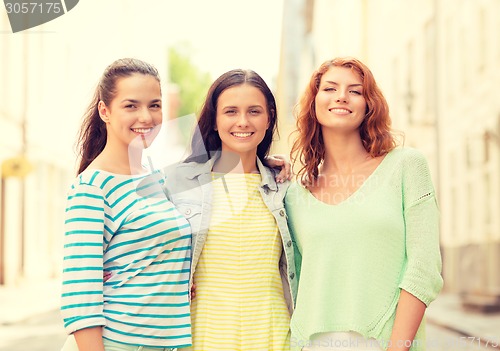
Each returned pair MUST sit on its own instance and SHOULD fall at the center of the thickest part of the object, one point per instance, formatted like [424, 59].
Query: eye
[230, 112]
[355, 92]
[157, 106]
[330, 89]
[254, 112]
[130, 106]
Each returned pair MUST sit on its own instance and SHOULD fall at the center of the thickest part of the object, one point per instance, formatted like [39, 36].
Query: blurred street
[43, 332]
[31, 321]
[473, 330]
[442, 339]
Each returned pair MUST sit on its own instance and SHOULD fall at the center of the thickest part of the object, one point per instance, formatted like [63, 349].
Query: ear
[273, 112]
[103, 111]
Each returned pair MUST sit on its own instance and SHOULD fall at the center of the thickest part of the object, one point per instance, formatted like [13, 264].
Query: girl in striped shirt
[118, 219]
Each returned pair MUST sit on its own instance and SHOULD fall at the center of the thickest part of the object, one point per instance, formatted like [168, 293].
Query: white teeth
[340, 110]
[242, 135]
[142, 130]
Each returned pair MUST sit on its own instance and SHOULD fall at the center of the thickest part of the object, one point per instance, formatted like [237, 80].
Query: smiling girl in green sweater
[364, 220]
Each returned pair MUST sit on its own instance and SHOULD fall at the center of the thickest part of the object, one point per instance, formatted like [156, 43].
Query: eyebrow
[137, 101]
[253, 106]
[350, 85]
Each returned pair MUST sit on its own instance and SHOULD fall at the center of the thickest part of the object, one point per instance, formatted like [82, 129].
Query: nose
[242, 120]
[341, 96]
[144, 116]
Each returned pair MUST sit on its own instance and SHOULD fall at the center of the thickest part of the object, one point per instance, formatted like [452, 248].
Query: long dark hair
[205, 139]
[92, 135]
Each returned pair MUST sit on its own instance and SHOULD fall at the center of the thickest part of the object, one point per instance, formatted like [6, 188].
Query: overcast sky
[223, 34]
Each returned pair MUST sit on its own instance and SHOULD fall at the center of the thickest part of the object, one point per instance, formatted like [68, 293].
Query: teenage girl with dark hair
[243, 263]
[118, 219]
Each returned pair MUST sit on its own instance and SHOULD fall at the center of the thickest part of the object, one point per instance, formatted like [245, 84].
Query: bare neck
[120, 160]
[230, 162]
[343, 153]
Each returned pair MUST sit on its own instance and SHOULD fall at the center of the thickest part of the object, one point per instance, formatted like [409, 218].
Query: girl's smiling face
[242, 119]
[340, 103]
[135, 113]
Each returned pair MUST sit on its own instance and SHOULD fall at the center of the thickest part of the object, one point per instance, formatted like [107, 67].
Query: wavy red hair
[375, 130]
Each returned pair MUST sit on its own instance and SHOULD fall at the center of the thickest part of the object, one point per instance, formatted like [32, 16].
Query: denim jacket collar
[204, 170]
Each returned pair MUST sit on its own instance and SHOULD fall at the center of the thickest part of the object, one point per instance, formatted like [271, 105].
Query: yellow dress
[239, 302]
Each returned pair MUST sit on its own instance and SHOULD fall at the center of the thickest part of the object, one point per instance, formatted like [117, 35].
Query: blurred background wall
[48, 77]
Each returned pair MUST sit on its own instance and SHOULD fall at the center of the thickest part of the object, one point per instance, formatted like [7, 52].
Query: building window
[464, 58]
[410, 90]
[468, 154]
[486, 147]
[309, 16]
[4, 64]
[395, 84]
[453, 164]
[454, 212]
[483, 30]
[450, 58]
[487, 196]
[471, 209]
[430, 62]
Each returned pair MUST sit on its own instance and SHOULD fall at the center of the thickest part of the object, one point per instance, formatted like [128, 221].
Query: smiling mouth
[242, 135]
[339, 110]
[142, 130]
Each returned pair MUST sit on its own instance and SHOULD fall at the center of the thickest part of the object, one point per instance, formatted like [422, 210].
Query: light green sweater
[358, 254]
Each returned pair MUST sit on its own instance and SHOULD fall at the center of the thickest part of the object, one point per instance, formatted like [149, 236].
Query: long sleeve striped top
[125, 225]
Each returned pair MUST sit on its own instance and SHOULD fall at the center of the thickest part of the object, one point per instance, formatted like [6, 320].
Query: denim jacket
[189, 187]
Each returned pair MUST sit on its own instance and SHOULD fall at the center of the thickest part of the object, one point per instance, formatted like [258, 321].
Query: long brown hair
[92, 135]
[309, 149]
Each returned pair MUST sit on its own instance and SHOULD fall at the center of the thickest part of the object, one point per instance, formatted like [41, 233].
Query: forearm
[89, 339]
[409, 314]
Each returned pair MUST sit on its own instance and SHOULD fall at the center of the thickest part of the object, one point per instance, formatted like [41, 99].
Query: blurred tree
[193, 84]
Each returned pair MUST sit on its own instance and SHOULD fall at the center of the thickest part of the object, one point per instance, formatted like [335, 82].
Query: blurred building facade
[47, 80]
[437, 64]
[35, 169]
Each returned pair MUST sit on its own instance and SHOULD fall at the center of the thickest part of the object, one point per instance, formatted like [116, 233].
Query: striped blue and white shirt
[124, 224]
